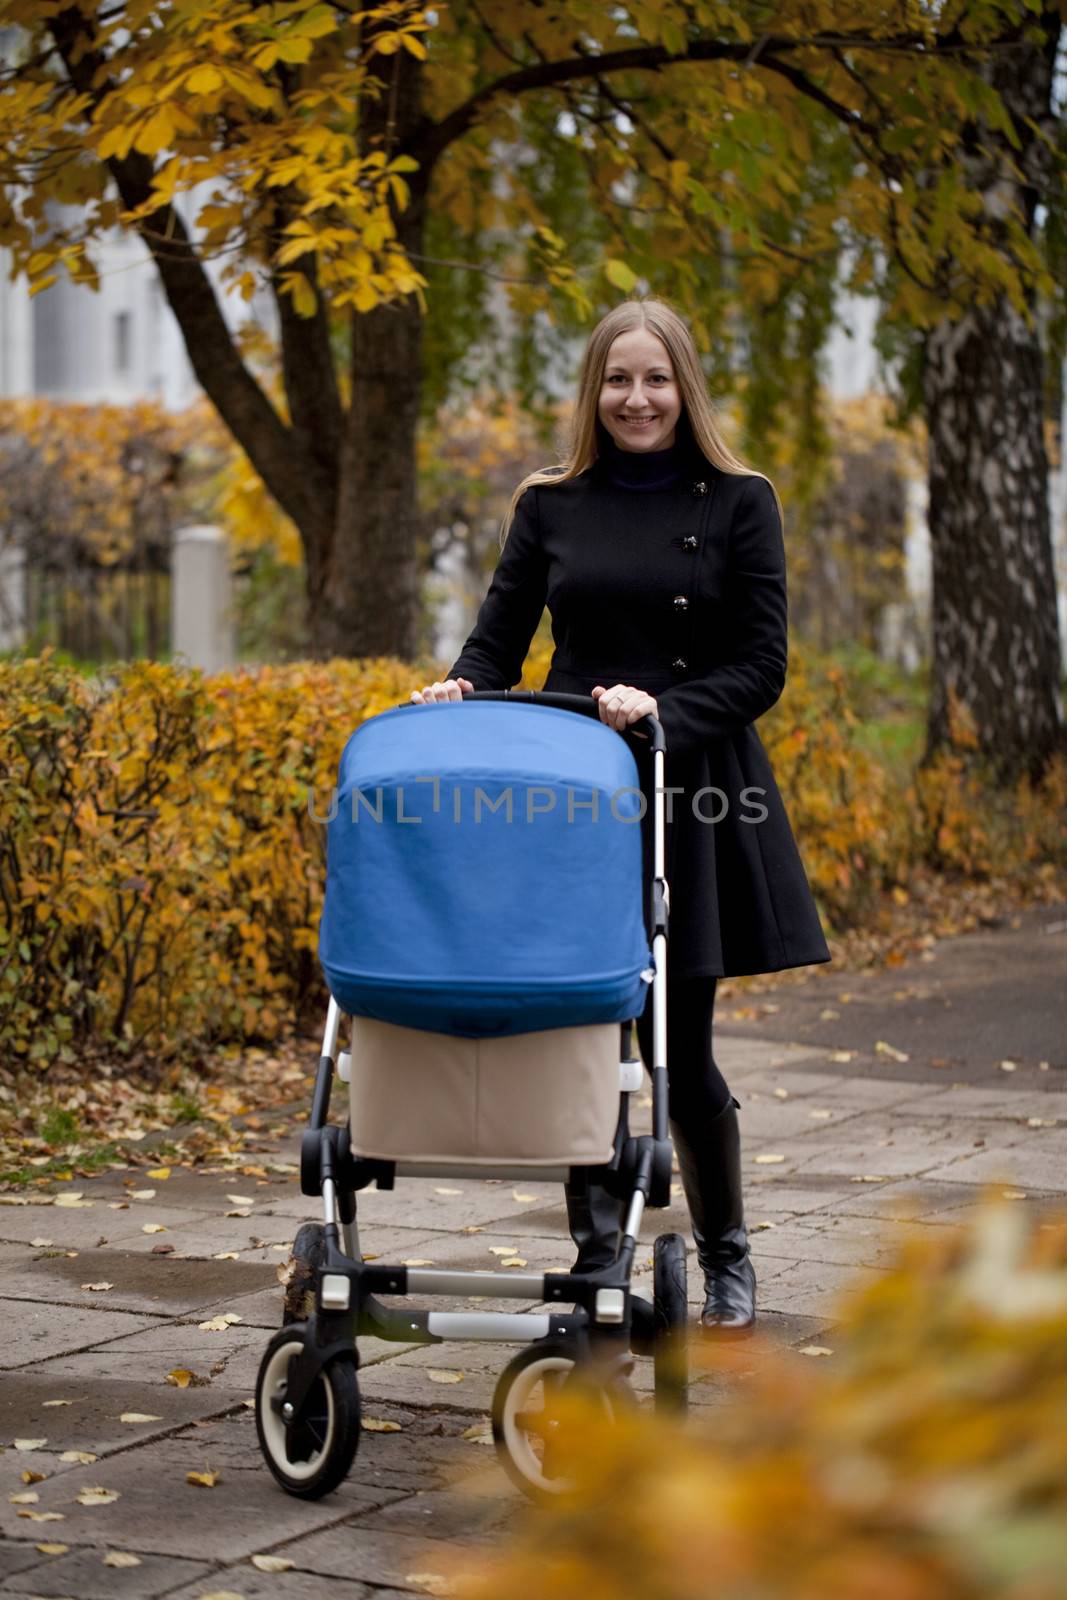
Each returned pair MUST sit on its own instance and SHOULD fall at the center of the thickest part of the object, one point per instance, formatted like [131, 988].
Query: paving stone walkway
[866, 1099]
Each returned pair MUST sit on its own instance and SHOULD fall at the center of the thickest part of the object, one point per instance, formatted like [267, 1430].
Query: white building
[116, 344]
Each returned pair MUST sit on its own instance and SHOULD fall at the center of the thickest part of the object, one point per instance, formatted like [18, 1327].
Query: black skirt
[740, 901]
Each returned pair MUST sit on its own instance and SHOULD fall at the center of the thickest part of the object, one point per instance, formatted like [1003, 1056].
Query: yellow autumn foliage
[928, 1461]
[161, 873]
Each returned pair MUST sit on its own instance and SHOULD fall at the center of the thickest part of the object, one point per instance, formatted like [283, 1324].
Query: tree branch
[432, 138]
[293, 481]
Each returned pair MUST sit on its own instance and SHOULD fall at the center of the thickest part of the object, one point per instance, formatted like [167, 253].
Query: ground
[870, 1103]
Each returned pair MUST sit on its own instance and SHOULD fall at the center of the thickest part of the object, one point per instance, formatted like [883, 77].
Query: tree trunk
[995, 633]
[366, 598]
[368, 603]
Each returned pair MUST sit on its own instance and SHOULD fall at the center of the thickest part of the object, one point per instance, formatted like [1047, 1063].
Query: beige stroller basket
[541, 1098]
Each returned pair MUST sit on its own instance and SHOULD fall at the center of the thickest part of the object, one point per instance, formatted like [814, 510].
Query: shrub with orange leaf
[927, 1462]
[161, 874]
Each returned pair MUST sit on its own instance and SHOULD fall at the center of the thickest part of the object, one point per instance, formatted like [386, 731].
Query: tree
[995, 637]
[725, 153]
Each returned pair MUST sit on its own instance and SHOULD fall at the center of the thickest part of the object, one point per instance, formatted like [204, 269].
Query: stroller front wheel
[532, 1423]
[311, 1454]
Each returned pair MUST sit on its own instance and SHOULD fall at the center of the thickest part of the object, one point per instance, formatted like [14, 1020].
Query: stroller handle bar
[584, 705]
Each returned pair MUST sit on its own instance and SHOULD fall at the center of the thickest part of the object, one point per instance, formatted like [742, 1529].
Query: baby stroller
[483, 934]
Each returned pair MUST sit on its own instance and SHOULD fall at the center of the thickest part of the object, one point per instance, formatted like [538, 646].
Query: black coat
[679, 591]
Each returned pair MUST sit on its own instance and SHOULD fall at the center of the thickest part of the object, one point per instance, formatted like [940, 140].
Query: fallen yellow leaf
[432, 1582]
[226, 1255]
[29, 1476]
[121, 1558]
[161, 1174]
[218, 1324]
[52, 1549]
[203, 1480]
[883, 1049]
[478, 1433]
[81, 1458]
[815, 1350]
[26, 1497]
[96, 1496]
[142, 1194]
[417, 1261]
[443, 1375]
[378, 1425]
[42, 1516]
[139, 1416]
[57, 1402]
[769, 1159]
[152, 1227]
[181, 1377]
[273, 1563]
[516, 1194]
[514, 1261]
[448, 1191]
[502, 1249]
[28, 1444]
[97, 1288]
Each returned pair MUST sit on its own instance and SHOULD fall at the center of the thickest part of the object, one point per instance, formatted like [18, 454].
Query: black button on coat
[610, 561]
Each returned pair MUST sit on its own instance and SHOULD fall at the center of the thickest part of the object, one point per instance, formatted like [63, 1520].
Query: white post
[12, 595]
[202, 599]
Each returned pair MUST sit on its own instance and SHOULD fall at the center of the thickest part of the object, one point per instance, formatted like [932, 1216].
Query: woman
[661, 559]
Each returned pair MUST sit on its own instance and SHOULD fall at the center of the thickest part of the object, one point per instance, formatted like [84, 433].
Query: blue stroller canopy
[484, 871]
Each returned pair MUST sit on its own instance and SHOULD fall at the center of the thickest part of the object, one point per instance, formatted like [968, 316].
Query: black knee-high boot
[711, 1177]
[593, 1218]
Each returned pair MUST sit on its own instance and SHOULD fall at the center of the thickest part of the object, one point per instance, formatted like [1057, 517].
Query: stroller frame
[595, 1337]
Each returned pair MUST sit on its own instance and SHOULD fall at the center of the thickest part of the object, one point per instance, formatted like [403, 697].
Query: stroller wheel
[301, 1271]
[312, 1457]
[531, 1428]
[670, 1305]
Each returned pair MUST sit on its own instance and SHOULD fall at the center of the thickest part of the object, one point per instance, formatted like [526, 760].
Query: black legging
[697, 1089]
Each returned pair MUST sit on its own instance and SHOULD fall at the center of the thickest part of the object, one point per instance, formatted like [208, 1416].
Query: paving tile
[37, 1331]
[84, 1574]
[85, 1226]
[1034, 1159]
[139, 1282]
[16, 1558]
[378, 1556]
[159, 1513]
[250, 1584]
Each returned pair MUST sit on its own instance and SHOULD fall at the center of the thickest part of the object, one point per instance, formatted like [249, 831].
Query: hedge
[161, 877]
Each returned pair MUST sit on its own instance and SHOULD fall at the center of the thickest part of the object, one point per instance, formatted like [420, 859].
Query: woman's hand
[451, 689]
[622, 704]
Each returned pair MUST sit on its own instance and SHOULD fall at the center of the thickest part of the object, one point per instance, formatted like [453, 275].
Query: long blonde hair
[582, 449]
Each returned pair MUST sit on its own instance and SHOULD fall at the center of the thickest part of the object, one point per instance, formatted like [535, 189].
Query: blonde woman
[661, 559]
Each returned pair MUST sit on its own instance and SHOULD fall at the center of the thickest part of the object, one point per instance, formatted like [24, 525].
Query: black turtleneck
[641, 469]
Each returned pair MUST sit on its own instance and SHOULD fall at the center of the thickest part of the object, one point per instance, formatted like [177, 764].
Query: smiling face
[639, 401]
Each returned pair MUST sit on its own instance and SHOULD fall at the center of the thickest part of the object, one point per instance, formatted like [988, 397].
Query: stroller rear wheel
[301, 1272]
[531, 1425]
[311, 1454]
[670, 1305]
